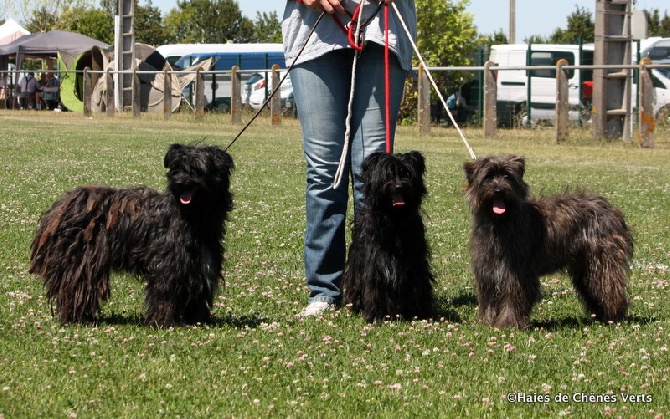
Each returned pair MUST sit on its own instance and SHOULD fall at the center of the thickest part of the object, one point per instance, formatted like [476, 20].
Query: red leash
[387, 79]
[351, 35]
[350, 30]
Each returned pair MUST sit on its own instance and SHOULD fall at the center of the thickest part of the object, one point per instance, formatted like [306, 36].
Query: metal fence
[484, 77]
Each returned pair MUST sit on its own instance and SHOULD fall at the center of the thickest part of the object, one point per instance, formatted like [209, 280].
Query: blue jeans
[321, 90]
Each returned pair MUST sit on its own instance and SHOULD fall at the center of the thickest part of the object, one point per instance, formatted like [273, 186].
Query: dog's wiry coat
[171, 239]
[388, 272]
[515, 240]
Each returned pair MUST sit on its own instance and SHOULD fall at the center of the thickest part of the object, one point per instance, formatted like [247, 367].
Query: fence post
[199, 95]
[490, 101]
[646, 105]
[423, 114]
[562, 101]
[136, 93]
[109, 94]
[275, 102]
[167, 92]
[88, 112]
[235, 95]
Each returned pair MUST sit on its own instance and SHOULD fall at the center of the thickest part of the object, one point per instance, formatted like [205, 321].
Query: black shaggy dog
[388, 272]
[515, 240]
[172, 239]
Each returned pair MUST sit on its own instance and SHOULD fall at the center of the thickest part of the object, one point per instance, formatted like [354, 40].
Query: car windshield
[184, 61]
[189, 60]
[199, 59]
[254, 78]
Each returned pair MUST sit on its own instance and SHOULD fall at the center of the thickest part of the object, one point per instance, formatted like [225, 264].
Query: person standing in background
[51, 91]
[28, 86]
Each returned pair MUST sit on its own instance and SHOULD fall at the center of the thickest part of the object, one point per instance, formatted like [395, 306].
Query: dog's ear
[418, 162]
[470, 167]
[222, 160]
[171, 154]
[518, 163]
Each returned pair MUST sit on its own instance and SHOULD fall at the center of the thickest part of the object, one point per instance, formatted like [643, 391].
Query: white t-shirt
[28, 84]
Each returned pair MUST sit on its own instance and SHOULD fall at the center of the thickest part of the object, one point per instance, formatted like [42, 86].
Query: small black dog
[172, 239]
[388, 271]
[515, 240]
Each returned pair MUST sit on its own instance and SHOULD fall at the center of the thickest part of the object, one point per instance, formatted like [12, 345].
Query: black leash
[276, 88]
[288, 70]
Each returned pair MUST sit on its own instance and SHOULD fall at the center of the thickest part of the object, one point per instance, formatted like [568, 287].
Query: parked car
[661, 81]
[259, 91]
[251, 85]
[656, 48]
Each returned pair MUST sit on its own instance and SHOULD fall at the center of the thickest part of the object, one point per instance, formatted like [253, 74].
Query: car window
[545, 58]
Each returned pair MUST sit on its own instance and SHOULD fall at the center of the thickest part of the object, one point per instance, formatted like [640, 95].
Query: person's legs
[321, 89]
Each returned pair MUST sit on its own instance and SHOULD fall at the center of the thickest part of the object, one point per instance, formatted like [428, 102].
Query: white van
[513, 85]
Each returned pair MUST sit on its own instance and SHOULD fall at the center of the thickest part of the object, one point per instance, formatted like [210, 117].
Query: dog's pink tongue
[398, 200]
[499, 207]
[185, 198]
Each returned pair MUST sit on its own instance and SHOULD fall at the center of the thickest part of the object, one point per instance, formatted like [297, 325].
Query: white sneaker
[316, 308]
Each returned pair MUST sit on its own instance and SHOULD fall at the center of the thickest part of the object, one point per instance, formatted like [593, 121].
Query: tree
[149, 27]
[42, 20]
[498, 38]
[110, 6]
[96, 23]
[539, 39]
[580, 25]
[446, 37]
[267, 27]
[658, 26]
[446, 34]
[41, 15]
[209, 21]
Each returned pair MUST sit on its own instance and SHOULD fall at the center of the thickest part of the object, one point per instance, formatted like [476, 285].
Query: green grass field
[260, 360]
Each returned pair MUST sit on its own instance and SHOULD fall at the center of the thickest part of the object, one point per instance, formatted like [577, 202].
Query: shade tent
[11, 31]
[10, 50]
[67, 45]
[74, 52]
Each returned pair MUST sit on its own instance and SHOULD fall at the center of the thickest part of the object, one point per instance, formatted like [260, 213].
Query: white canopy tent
[11, 31]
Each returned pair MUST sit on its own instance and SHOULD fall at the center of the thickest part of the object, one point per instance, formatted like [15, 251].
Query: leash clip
[351, 27]
[361, 38]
